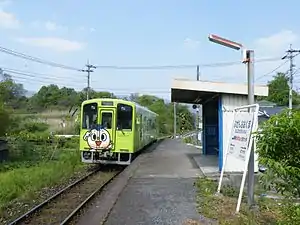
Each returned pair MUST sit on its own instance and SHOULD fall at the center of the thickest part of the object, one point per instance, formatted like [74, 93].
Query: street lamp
[227, 43]
[248, 58]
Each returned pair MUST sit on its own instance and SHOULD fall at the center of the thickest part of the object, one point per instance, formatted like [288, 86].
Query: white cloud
[8, 20]
[56, 44]
[190, 43]
[275, 43]
[51, 26]
[83, 28]
[48, 25]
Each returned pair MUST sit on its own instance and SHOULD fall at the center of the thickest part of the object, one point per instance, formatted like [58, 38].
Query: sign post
[249, 60]
[241, 141]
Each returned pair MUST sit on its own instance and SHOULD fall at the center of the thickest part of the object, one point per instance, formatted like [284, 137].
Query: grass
[221, 208]
[37, 163]
[54, 119]
[24, 182]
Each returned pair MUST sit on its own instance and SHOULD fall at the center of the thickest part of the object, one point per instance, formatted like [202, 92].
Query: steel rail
[48, 200]
[88, 199]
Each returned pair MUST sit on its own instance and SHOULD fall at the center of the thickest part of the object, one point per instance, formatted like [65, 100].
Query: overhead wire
[54, 64]
[33, 77]
[21, 74]
[36, 59]
[272, 71]
[43, 82]
[159, 67]
[76, 86]
[40, 75]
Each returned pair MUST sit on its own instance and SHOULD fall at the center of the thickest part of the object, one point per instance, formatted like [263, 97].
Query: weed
[222, 207]
[24, 182]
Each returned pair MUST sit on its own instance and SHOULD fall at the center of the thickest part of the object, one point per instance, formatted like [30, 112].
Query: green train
[113, 130]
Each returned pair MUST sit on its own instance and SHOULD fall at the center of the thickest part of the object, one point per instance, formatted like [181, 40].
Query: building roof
[265, 103]
[270, 111]
[218, 87]
[198, 92]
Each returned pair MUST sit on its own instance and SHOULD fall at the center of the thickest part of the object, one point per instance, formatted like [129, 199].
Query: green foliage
[279, 91]
[166, 114]
[4, 120]
[23, 182]
[222, 207]
[60, 98]
[21, 126]
[278, 146]
[290, 212]
[52, 97]
[12, 94]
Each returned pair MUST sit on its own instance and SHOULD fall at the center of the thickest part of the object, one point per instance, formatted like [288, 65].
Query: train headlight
[87, 155]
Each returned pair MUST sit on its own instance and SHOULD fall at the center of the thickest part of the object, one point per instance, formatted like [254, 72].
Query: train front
[106, 132]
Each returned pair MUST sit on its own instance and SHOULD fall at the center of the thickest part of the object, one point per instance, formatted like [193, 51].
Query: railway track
[62, 207]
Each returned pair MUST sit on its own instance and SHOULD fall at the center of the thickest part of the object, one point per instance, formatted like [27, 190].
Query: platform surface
[161, 190]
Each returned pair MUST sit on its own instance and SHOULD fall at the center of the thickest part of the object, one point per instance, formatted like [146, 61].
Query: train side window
[106, 120]
[89, 115]
[124, 117]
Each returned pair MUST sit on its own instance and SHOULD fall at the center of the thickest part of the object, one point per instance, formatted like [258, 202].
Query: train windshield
[124, 117]
[89, 117]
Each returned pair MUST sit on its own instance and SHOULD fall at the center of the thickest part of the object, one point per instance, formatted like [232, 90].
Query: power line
[38, 75]
[36, 59]
[41, 81]
[267, 74]
[50, 63]
[159, 67]
[123, 90]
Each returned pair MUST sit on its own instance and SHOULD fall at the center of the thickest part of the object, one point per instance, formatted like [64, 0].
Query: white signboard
[240, 143]
[240, 134]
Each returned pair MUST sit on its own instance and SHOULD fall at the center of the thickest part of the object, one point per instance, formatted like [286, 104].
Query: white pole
[254, 128]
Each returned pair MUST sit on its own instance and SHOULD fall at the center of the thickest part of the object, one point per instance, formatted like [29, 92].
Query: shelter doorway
[211, 129]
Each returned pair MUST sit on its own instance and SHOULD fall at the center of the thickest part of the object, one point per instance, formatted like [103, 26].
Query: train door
[107, 121]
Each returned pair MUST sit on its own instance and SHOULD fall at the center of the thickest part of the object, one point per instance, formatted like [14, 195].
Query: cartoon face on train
[98, 139]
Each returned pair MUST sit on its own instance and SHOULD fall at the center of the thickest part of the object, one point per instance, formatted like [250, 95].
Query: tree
[4, 120]
[53, 97]
[12, 94]
[166, 114]
[279, 91]
[92, 94]
[278, 147]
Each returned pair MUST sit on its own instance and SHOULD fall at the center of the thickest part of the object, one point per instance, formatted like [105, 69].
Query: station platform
[157, 188]
[161, 189]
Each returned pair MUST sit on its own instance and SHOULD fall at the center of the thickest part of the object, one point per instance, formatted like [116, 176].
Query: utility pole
[198, 111]
[198, 72]
[175, 122]
[291, 55]
[251, 101]
[89, 71]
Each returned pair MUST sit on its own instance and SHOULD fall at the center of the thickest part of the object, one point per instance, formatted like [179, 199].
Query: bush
[36, 126]
[20, 124]
[4, 120]
[23, 182]
[278, 147]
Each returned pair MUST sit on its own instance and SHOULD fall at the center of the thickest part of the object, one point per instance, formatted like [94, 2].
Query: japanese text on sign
[240, 134]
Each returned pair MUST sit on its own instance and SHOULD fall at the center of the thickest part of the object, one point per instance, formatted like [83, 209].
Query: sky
[144, 33]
